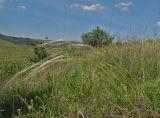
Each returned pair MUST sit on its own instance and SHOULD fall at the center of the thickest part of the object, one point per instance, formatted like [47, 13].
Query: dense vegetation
[97, 37]
[121, 80]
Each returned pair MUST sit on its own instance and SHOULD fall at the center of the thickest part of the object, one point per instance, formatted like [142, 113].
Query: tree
[98, 37]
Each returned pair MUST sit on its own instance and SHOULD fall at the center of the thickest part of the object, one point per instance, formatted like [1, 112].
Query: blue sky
[68, 19]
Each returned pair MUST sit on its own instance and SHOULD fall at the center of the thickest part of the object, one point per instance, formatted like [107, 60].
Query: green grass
[122, 80]
[13, 58]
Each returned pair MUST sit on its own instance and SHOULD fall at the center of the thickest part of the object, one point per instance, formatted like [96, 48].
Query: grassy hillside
[10, 51]
[122, 80]
[13, 58]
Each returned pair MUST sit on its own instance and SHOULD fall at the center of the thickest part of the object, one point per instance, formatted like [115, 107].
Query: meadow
[13, 58]
[120, 80]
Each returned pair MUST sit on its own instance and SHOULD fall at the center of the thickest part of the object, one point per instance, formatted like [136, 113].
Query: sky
[68, 19]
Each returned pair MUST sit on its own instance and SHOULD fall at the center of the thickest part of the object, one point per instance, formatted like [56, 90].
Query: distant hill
[17, 40]
[28, 41]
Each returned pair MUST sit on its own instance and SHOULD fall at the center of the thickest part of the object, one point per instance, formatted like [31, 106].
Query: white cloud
[2, 3]
[21, 7]
[158, 23]
[124, 5]
[92, 7]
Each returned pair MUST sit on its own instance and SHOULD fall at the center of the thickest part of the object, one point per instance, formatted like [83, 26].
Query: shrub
[98, 37]
[40, 53]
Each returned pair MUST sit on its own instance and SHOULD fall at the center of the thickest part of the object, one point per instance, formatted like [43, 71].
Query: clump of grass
[115, 81]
